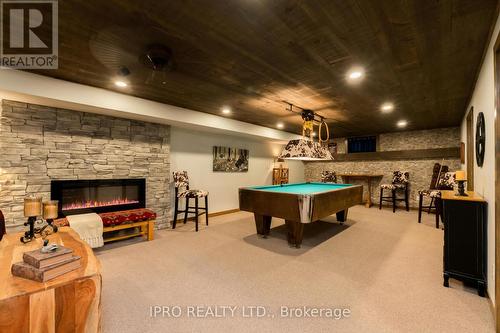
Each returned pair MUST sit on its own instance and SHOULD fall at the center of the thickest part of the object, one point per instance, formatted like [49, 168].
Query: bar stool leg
[196, 212]
[406, 200]
[420, 199]
[381, 195]
[394, 200]
[206, 209]
[176, 209]
[186, 211]
[438, 211]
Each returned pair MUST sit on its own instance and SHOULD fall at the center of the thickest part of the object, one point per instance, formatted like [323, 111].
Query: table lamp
[461, 178]
[32, 209]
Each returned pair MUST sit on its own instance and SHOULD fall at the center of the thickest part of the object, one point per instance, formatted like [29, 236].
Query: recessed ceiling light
[355, 74]
[280, 125]
[226, 110]
[402, 123]
[121, 84]
[387, 107]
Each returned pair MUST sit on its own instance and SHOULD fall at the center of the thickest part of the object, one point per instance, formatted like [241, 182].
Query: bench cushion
[118, 218]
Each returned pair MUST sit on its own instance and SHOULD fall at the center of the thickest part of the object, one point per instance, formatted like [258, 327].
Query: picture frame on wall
[228, 159]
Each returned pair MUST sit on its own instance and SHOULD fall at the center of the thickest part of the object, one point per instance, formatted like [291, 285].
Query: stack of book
[42, 267]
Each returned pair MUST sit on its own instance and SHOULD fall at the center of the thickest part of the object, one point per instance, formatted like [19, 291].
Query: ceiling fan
[142, 52]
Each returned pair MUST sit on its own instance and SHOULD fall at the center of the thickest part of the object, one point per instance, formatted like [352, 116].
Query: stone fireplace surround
[39, 144]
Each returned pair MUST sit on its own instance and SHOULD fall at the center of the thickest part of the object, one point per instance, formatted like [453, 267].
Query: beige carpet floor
[384, 267]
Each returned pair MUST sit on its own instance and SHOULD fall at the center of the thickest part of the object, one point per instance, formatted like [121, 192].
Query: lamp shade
[305, 150]
[460, 175]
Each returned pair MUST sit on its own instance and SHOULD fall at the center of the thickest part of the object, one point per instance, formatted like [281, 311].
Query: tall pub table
[368, 177]
[68, 303]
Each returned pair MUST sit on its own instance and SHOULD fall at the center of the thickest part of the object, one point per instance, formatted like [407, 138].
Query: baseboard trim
[214, 214]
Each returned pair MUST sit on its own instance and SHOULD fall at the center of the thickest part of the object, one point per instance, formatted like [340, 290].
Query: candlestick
[33, 209]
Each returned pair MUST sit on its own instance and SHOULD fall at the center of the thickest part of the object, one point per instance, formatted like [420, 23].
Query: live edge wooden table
[298, 204]
[68, 303]
[368, 177]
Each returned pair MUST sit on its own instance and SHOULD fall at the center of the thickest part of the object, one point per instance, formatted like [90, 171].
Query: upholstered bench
[142, 218]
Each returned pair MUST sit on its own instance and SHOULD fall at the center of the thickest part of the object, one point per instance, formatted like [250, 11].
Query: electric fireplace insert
[98, 195]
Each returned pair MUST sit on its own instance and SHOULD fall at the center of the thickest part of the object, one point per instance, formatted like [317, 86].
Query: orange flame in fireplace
[94, 203]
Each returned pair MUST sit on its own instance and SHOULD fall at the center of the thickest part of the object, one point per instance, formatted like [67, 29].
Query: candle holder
[50, 212]
[33, 209]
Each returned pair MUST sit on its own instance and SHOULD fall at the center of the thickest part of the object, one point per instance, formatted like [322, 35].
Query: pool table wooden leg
[263, 224]
[342, 215]
[295, 233]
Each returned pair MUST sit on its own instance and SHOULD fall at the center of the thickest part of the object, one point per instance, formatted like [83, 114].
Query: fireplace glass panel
[101, 196]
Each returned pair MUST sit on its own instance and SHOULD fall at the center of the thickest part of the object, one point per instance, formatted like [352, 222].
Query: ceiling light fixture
[402, 123]
[226, 110]
[305, 148]
[121, 84]
[355, 74]
[280, 125]
[387, 107]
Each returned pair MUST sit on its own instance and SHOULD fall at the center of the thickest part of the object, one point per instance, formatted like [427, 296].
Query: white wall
[483, 100]
[192, 151]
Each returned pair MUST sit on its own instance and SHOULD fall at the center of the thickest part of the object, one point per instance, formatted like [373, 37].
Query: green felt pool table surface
[301, 188]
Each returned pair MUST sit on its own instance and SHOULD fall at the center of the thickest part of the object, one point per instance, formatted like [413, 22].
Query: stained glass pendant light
[306, 149]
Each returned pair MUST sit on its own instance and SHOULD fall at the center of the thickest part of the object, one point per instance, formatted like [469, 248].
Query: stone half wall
[420, 169]
[39, 143]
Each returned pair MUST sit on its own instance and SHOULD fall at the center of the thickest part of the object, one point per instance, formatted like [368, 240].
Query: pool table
[298, 204]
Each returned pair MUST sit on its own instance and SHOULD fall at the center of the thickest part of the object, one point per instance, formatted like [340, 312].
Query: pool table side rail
[344, 199]
[266, 203]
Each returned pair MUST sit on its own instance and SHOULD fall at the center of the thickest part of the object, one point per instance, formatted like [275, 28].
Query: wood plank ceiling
[251, 55]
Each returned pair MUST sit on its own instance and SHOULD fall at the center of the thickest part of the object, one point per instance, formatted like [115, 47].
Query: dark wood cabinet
[465, 239]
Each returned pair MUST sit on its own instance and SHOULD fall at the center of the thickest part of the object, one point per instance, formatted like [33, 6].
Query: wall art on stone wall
[226, 159]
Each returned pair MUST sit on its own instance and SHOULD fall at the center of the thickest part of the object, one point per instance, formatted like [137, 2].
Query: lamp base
[461, 189]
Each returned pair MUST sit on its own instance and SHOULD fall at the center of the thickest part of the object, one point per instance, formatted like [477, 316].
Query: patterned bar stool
[328, 177]
[399, 182]
[181, 184]
[432, 193]
[445, 182]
